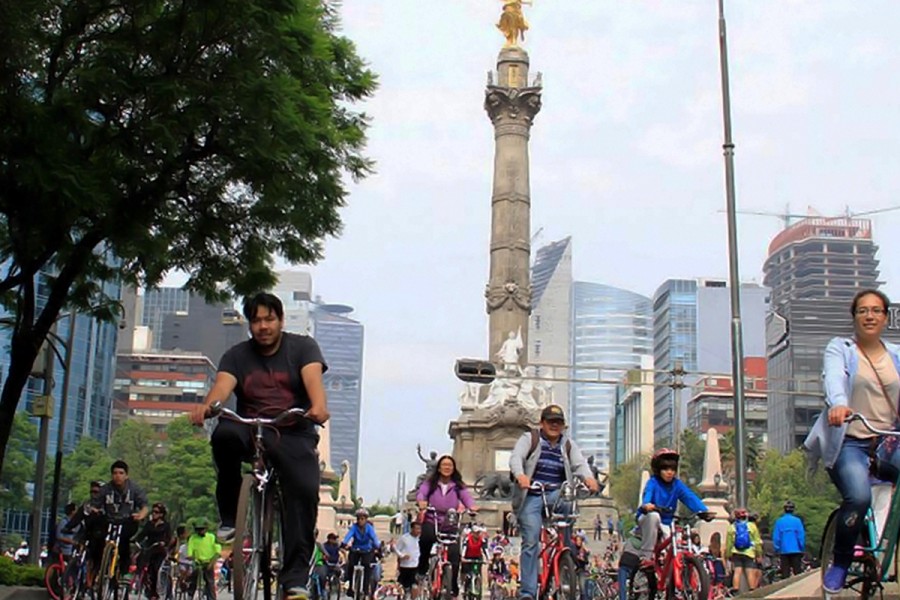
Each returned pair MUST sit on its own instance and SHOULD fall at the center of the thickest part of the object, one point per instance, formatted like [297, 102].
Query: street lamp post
[737, 345]
[61, 431]
[41, 407]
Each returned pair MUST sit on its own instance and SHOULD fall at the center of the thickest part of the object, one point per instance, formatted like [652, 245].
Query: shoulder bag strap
[887, 397]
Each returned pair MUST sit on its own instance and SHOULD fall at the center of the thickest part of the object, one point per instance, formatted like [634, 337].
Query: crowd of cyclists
[862, 375]
[192, 548]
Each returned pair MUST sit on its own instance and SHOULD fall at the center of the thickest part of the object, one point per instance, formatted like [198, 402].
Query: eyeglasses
[865, 310]
[156, 512]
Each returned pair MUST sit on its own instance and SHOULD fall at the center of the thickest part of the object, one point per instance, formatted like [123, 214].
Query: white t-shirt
[409, 545]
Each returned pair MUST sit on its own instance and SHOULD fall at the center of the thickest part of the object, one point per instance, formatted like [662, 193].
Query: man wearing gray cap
[550, 457]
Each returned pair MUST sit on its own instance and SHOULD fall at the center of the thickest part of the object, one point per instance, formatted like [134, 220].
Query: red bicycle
[440, 569]
[558, 579]
[677, 570]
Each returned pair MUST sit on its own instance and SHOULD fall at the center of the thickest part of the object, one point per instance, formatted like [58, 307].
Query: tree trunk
[22, 356]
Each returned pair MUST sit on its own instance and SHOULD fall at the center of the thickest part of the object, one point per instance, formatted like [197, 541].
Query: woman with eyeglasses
[861, 375]
[156, 540]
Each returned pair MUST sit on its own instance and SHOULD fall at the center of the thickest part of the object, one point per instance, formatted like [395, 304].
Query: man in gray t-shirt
[270, 373]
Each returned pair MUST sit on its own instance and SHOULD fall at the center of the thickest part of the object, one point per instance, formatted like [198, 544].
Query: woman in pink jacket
[443, 491]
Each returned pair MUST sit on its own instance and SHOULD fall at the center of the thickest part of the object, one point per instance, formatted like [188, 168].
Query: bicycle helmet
[362, 512]
[498, 550]
[664, 457]
[789, 506]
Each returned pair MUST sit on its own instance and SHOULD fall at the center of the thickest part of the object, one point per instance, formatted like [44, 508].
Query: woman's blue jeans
[850, 474]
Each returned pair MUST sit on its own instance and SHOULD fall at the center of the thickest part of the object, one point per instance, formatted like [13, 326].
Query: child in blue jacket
[658, 504]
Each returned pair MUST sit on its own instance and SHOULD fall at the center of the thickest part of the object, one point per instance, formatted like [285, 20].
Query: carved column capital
[505, 105]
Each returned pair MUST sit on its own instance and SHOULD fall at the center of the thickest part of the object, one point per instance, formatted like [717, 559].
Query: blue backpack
[741, 535]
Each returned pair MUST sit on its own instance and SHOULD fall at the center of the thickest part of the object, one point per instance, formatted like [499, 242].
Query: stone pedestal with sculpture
[710, 491]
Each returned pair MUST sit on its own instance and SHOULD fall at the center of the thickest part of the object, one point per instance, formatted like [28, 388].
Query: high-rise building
[611, 332]
[692, 325]
[158, 385]
[712, 401]
[155, 304]
[90, 380]
[550, 324]
[814, 268]
[341, 340]
[208, 328]
[632, 427]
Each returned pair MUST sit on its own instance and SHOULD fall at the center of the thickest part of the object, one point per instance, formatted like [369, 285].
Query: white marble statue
[468, 397]
[499, 391]
[509, 353]
[525, 397]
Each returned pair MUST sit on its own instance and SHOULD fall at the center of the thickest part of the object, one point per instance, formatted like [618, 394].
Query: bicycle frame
[258, 554]
[886, 545]
[554, 529]
[671, 554]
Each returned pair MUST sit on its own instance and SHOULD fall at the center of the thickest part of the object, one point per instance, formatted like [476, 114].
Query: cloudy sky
[625, 157]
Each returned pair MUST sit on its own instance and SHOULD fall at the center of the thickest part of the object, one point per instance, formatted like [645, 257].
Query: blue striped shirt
[550, 468]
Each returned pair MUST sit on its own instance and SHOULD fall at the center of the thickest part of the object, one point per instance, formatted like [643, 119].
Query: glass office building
[611, 329]
[341, 341]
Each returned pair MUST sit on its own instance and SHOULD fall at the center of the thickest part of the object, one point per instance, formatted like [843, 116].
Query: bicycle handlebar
[217, 410]
[859, 417]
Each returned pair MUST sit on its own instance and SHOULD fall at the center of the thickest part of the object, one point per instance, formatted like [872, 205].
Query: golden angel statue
[512, 21]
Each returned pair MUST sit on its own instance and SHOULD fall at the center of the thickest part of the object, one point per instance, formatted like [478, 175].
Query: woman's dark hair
[881, 296]
[263, 299]
[161, 508]
[436, 476]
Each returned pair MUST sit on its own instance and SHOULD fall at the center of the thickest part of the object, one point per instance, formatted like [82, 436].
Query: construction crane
[787, 215]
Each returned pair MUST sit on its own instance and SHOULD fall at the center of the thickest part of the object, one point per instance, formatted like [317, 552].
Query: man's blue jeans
[530, 518]
[850, 474]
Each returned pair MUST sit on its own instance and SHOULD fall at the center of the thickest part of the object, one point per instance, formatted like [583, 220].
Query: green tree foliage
[382, 509]
[780, 478]
[625, 486]
[693, 453]
[90, 461]
[135, 442]
[142, 136]
[20, 466]
[184, 477]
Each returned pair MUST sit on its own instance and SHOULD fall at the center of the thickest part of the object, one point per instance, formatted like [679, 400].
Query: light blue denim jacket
[840, 366]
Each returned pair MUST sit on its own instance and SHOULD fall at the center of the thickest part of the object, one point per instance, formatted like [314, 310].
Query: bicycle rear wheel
[249, 544]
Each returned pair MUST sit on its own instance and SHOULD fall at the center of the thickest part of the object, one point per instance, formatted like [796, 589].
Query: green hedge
[13, 574]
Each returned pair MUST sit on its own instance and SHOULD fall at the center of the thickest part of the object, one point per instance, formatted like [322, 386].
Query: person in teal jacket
[789, 538]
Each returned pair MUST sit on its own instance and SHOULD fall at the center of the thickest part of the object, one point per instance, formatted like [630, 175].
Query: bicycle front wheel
[272, 555]
[164, 581]
[826, 553]
[641, 585]
[249, 540]
[446, 582]
[691, 582]
[53, 581]
[106, 577]
[567, 585]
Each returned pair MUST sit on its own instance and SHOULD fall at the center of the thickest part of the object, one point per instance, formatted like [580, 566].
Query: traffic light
[473, 370]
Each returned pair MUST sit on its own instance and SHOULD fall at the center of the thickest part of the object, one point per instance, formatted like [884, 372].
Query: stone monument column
[511, 103]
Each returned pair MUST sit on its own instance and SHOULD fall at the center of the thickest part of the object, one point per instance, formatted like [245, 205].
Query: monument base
[719, 524]
[483, 438]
